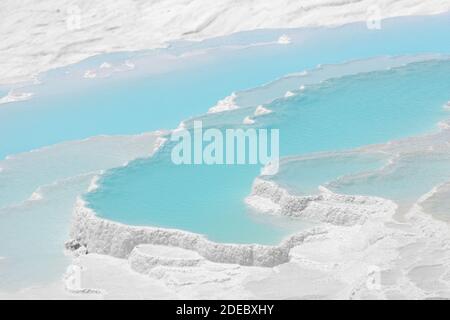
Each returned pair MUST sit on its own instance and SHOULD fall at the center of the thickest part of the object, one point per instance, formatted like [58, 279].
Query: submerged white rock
[261, 110]
[105, 65]
[284, 39]
[14, 96]
[289, 94]
[444, 125]
[90, 74]
[248, 121]
[36, 196]
[129, 65]
[447, 106]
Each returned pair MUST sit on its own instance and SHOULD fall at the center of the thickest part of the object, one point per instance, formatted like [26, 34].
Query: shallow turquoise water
[203, 199]
[338, 114]
[167, 87]
[303, 176]
[163, 89]
[405, 182]
[363, 109]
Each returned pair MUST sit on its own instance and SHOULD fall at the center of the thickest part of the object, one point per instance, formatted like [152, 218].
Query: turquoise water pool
[337, 114]
[183, 81]
[170, 85]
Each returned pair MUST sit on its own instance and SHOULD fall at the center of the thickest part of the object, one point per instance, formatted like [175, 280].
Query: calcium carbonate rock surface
[112, 238]
[329, 207]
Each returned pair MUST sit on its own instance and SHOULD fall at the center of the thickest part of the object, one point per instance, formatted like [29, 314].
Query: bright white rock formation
[72, 30]
[226, 104]
[329, 207]
[119, 240]
[260, 111]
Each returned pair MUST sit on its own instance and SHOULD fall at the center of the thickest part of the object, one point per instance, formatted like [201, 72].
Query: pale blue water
[166, 88]
[363, 109]
[162, 91]
[33, 234]
[338, 114]
[303, 176]
[410, 178]
[203, 199]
